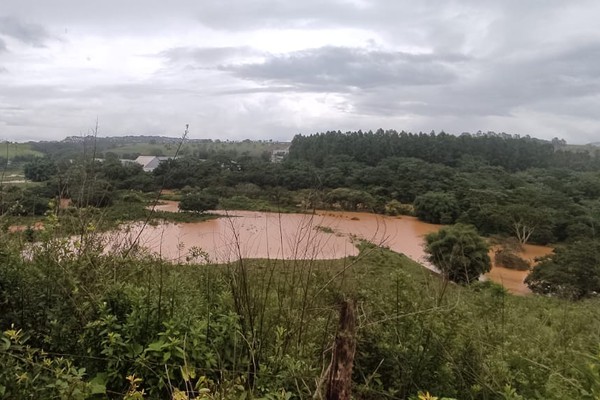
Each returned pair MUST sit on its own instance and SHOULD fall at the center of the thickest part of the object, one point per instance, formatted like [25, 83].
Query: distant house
[279, 155]
[149, 163]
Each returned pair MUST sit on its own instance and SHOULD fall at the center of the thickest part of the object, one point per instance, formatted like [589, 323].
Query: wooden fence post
[339, 383]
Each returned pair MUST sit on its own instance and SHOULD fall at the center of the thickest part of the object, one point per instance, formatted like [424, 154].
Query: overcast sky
[269, 69]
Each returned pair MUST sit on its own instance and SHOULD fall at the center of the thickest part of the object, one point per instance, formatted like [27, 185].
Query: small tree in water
[198, 202]
[458, 252]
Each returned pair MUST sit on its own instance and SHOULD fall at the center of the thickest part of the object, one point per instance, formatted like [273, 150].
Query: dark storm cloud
[561, 73]
[344, 69]
[32, 34]
[561, 81]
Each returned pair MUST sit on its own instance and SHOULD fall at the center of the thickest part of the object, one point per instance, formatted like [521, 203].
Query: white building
[279, 155]
[149, 163]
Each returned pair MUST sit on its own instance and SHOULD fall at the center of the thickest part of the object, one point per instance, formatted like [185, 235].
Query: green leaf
[135, 349]
[98, 384]
[156, 346]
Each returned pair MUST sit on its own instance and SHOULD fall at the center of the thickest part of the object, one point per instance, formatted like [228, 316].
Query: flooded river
[513, 279]
[324, 235]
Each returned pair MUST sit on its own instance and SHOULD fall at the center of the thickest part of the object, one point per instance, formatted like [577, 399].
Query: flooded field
[324, 235]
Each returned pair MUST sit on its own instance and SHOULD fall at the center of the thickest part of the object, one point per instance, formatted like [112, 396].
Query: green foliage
[507, 258]
[590, 378]
[436, 208]
[133, 197]
[573, 271]
[126, 175]
[349, 199]
[511, 153]
[458, 252]
[198, 202]
[28, 372]
[95, 193]
[394, 207]
[137, 326]
[244, 203]
[18, 201]
[40, 169]
[525, 221]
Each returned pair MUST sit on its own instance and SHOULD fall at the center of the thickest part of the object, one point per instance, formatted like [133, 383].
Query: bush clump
[508, 259]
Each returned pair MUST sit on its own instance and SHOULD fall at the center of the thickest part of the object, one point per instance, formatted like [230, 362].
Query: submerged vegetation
[80, 322]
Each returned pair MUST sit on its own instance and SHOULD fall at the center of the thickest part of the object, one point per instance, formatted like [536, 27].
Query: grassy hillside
[266, 327]
[10, 150]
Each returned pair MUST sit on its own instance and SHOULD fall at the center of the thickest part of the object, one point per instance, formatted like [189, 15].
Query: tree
[524, 221]
[436, 207]
[458, 252]
[198, 202]
[39, 169]
[350, 199]
[94, 193]
[571, 272]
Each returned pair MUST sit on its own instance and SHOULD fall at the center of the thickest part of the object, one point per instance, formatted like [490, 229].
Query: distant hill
[12, 151]
[130, 147]
[123, 139]
[591, 148]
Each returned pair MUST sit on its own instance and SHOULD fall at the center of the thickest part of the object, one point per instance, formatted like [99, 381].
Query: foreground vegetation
[79, 323]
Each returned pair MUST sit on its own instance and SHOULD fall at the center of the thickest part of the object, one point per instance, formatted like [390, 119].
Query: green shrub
[508, 259]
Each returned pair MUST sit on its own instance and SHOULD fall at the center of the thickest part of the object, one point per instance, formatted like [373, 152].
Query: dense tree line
[510, 152]
[541, 205]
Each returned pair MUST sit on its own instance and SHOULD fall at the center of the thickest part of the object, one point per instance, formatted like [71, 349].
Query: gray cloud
[558, 74]
[29, 33]
[206, 56]
[268, 13]
[344, 69]
[527, 67]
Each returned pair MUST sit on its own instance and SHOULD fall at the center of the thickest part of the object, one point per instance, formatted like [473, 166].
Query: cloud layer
[271, 69]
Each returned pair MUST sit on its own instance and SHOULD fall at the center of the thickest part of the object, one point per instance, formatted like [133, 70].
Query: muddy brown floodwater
[324, 235]
[513, 279]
